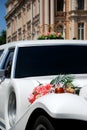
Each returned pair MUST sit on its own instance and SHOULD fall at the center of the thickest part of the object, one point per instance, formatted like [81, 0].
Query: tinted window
[50, 60]
[1, 51]
[80, 4]
[8, 63]
[60, 4]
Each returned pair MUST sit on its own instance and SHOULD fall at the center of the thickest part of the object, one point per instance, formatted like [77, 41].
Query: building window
[80, 31]
[80, 4]
[60, 4]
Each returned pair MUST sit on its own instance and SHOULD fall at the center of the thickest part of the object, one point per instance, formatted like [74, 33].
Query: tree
[3, 37]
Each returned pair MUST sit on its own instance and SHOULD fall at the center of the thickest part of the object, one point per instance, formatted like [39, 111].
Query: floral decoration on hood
[61, 84]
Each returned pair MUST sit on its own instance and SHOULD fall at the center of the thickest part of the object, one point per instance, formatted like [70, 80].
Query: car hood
[64, 105]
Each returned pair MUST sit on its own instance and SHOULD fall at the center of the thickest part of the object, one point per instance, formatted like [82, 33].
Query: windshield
[51, 60]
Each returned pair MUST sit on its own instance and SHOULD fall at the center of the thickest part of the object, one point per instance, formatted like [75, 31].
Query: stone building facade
[27, 19]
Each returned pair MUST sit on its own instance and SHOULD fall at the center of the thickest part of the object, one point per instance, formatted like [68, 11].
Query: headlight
[12, 108]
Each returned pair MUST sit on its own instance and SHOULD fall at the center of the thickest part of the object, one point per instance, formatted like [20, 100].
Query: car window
[51, 60]
[1, 51]
[8, 63]
[1, 55]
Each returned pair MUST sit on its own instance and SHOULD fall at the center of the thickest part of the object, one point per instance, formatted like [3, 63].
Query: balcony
[60, 14]
[74, 13]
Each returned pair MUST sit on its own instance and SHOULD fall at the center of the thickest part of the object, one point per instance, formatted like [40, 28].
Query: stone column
[67, 19]
[46, 15]
[85, 3]
[72, 29]
[22, 23]
[12, 28]
[26, 21]
[17, 25]
[52, 15]
[31, 19]
[41, 15]
[73, 4]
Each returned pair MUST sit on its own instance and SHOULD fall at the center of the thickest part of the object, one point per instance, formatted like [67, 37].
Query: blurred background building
[27, 19]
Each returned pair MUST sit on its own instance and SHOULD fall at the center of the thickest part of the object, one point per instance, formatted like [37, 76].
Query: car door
[4, 84]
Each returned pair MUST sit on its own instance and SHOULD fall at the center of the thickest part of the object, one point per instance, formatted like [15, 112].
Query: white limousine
[43, 85]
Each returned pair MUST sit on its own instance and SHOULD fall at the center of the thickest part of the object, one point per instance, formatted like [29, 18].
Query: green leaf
[62, 79]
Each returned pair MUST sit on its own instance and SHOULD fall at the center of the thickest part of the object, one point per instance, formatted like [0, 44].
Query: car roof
[43, 42]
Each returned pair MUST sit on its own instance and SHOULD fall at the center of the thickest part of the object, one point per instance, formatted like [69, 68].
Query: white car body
[15, 109]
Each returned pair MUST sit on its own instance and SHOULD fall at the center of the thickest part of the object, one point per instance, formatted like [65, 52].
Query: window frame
[81, 31]
[80, 4]
[61, 8]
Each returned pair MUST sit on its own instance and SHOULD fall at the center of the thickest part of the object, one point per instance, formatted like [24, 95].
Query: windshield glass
[51, 60]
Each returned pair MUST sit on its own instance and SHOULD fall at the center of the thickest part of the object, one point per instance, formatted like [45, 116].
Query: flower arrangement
[61, 84]
[51, 35]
